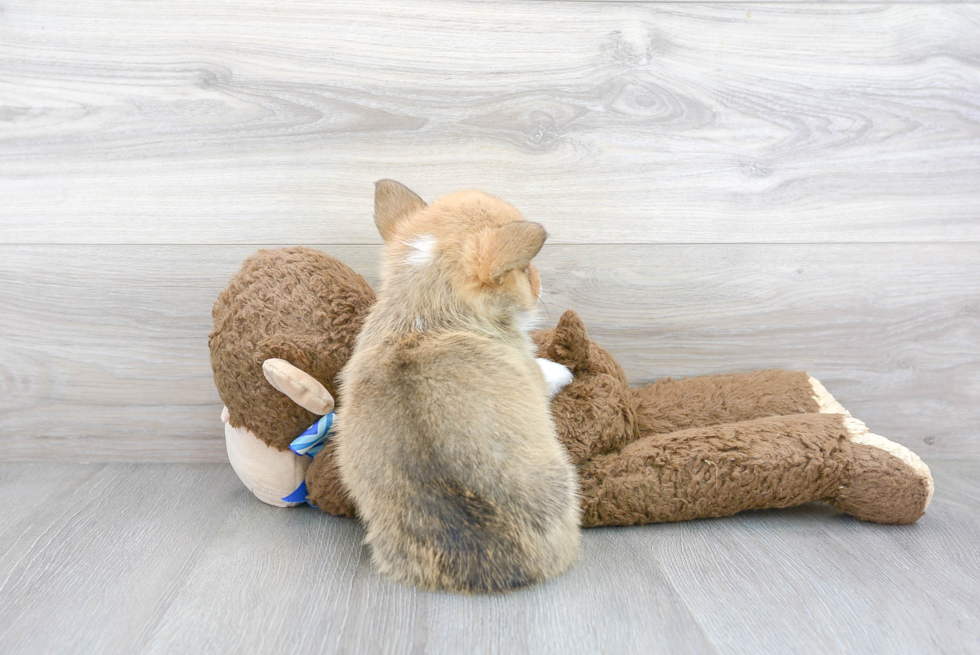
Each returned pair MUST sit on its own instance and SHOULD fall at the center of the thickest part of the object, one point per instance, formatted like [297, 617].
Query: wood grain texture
[109, 551]
[237, 121]
[841, 582]
[180, 558]
[103, 350]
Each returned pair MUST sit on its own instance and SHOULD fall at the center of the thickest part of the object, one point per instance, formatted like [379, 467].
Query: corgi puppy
[445, 438]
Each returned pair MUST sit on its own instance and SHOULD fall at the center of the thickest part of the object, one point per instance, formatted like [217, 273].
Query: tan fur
[445, 440]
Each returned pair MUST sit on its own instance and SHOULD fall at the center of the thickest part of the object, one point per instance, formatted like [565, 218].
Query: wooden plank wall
[728, 186]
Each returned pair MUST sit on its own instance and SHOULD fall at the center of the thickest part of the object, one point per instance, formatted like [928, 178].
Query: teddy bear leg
[718, 470]
[886, 482]
[668, 405]
[272, 475]
[779, 461]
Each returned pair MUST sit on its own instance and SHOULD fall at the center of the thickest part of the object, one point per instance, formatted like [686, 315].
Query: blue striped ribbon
[298, 496]
[316, 436]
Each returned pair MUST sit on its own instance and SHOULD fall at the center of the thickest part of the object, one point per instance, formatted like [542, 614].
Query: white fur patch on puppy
[422, 250]
[557, 375]
[528, 321]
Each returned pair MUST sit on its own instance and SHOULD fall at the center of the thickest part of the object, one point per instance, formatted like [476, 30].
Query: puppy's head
[479, 244]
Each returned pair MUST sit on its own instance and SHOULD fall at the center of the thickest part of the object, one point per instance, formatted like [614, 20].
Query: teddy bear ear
[571, 344]
[301, 387]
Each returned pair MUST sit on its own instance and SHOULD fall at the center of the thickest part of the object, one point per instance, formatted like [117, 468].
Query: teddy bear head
[596, 412]
[295, 304]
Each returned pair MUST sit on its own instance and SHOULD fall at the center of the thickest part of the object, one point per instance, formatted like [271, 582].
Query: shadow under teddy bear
[671, 450]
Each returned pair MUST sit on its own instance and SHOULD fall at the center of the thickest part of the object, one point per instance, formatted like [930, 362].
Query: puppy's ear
[505, 248]
[393, 202]
[571, 345]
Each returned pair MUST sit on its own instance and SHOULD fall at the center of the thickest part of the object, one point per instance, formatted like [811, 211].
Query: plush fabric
[671, 450]
[296, 304]
[268, 473]
[711, 446]
[305, 390]
[778, 461]
[323, 486]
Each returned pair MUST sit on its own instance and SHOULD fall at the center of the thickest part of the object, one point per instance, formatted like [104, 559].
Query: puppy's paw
[557, 375]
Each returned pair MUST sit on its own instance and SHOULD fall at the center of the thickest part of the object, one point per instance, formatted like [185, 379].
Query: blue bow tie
[314, 438]
[309, 443]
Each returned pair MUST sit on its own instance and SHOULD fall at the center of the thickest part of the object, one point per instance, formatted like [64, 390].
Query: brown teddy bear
[671, 450]
[283, 329]
[675, 450]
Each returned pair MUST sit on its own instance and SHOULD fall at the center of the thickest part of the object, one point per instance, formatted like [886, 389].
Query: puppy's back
[448, 447]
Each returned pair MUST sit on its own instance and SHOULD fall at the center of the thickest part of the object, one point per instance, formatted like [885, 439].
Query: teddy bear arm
[324, 487]
[668, 405]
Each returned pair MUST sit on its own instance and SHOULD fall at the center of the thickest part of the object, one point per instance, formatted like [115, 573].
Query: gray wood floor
[180, 558]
